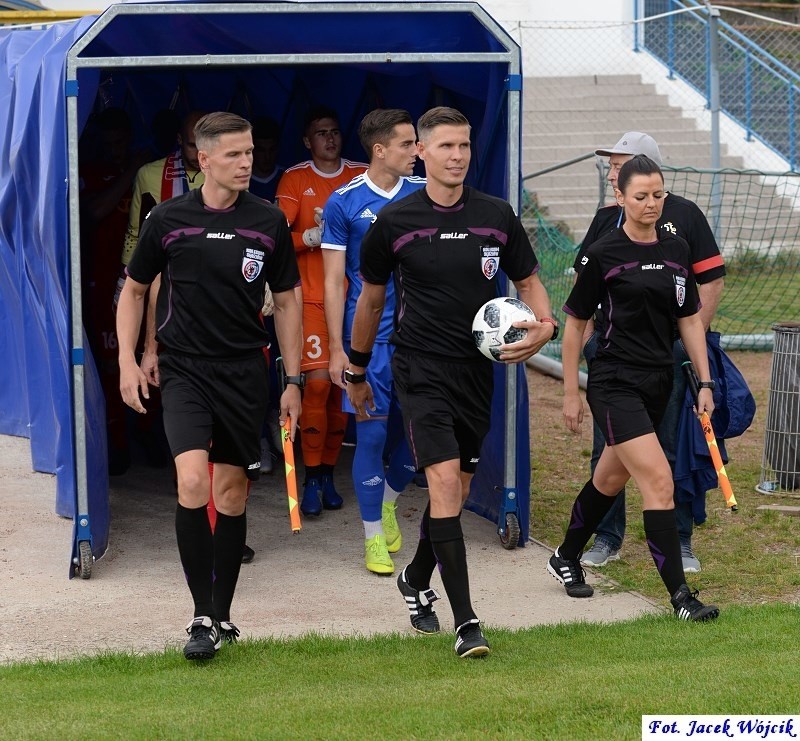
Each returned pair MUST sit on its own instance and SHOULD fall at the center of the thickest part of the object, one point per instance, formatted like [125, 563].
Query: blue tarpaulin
[273, 59]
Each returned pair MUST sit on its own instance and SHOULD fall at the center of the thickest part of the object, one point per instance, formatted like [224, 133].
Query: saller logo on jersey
[453, 235]
[220, 235]
[490, 260]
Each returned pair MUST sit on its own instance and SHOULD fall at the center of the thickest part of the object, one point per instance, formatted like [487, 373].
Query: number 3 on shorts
[314, 347]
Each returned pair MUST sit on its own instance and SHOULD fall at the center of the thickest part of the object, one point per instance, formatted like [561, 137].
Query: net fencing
[756, 221]
[587, 82]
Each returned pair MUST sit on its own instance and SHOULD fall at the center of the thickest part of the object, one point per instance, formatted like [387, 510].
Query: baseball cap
[634, 142]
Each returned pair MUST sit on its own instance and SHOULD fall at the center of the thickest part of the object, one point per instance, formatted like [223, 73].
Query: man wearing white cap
[684, 218]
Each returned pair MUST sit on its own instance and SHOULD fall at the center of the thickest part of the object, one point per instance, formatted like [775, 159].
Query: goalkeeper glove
[312, 237]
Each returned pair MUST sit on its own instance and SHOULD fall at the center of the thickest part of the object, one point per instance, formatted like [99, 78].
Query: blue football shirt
[349, 212]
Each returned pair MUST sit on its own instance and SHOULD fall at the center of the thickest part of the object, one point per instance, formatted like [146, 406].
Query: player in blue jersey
[389, 139]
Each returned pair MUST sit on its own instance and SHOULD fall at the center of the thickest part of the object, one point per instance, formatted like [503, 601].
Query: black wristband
[361, 359]
[299, 381]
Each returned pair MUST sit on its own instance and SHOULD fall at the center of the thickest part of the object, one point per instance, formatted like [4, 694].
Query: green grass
[574, 682]
[756, 296]
[749, 557]
[536, 684]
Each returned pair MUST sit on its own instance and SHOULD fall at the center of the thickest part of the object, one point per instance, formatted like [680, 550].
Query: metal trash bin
[780, 467]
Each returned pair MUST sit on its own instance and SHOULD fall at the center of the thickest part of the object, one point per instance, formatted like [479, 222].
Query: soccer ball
[492, 324]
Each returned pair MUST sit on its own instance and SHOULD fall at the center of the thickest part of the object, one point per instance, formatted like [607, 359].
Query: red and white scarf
[174, 180]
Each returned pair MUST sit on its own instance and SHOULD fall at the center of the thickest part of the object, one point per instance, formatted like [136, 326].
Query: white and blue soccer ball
[492, 328]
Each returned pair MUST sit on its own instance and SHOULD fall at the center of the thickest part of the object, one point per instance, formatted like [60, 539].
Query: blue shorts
[379, 375]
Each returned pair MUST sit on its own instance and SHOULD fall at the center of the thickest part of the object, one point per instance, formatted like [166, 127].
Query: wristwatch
[550, 320]
[296, 380]
[351, 377]
[706, 385]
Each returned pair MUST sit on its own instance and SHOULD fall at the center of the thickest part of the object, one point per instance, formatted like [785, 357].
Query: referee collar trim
[198, 194]
[457, 206]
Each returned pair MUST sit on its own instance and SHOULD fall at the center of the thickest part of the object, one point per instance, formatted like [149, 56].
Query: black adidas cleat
[688, 607]
[228, 631]
[470, 641]
[418, 601]
[570, 574]
[204, 639]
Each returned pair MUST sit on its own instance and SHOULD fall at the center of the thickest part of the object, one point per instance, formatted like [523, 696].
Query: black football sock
[589, 509]
[420, 570]
[665, 546]
[447, 539]
[229, 538]
[196, 549]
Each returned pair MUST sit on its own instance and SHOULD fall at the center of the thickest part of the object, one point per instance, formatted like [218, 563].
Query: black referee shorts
[215, 405]
[446, 407]
[626, 401]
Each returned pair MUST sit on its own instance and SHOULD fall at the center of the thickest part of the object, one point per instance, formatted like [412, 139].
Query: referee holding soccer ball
[444, 245]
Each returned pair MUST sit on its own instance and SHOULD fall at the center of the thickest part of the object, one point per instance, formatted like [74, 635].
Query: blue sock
[401, 466]
[368, 467]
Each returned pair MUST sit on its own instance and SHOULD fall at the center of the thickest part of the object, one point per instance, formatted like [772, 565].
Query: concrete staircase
[566, 117]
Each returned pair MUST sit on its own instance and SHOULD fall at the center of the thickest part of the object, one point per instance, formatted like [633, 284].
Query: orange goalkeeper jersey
[301, 189]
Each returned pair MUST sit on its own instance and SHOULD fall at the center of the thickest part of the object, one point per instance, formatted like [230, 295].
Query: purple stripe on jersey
[259, 237]
[677, 267]
[619, 269]
[608, 428]
[406, 238]
[219, 210]
[447, 209]
[501, 237]
[169, 300]
[609, 318]
[569, 311]
[168, 239]
[400, 296]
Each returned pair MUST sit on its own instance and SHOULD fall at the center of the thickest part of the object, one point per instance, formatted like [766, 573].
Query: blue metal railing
[757, 90]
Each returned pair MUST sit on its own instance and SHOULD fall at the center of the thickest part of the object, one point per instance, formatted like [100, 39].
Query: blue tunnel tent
[273, 59]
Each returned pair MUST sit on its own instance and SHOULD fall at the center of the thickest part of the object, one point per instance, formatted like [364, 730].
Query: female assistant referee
[644, 282]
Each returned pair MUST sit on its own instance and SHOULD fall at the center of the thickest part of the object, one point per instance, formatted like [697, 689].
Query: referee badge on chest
[490, 260]
[252, 262]
[680, 289]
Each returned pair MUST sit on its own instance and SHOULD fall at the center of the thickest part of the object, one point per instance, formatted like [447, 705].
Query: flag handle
[711, 440]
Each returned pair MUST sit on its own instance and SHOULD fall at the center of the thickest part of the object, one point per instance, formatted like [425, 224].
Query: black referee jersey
[680, 216]
[214, 267]
[642, 289]
[445, 262]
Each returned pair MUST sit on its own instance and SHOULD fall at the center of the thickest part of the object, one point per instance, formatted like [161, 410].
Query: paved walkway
[314, 581]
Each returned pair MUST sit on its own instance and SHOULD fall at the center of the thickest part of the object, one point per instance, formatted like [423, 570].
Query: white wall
[567, 10]
[568, 38]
